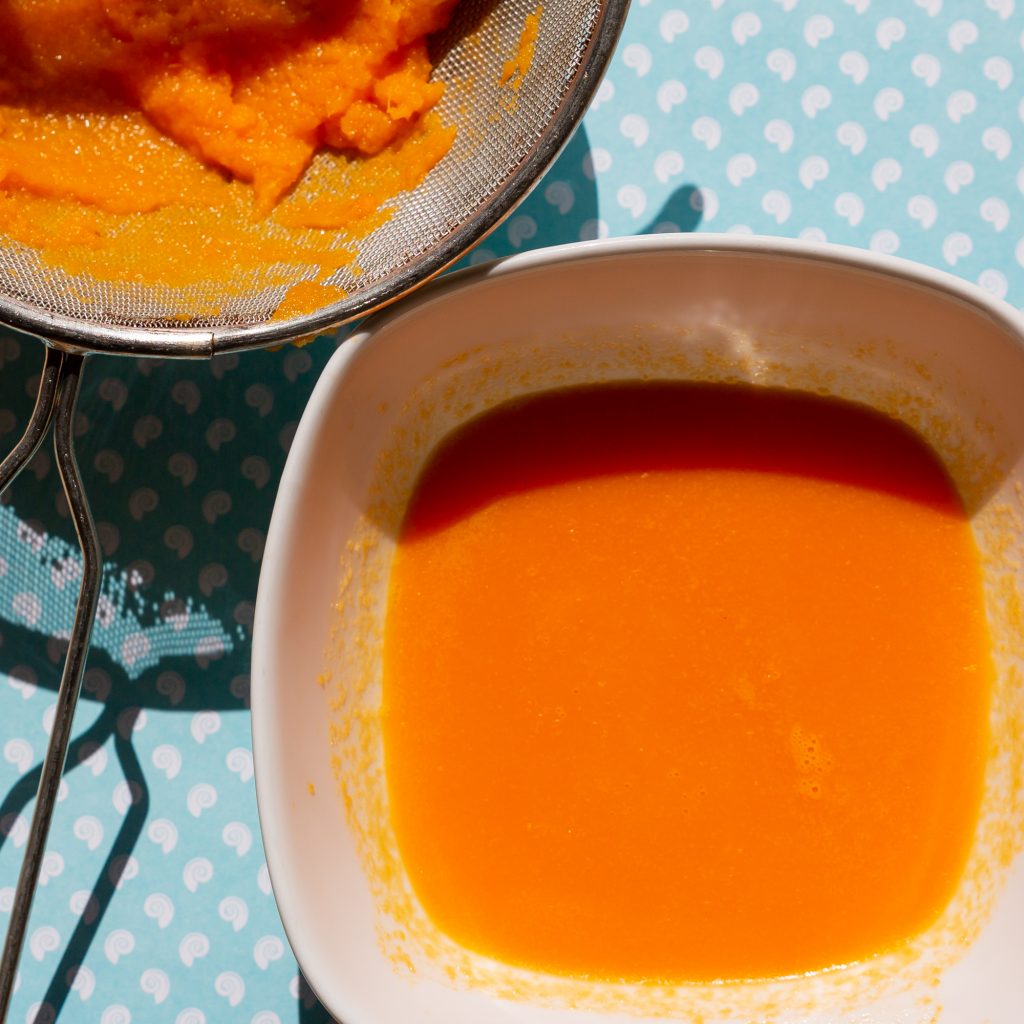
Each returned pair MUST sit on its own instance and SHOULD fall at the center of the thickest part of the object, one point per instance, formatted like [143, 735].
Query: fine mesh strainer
[505, 141]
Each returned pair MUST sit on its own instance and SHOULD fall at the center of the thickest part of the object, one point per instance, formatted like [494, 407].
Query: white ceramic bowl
[919, 344]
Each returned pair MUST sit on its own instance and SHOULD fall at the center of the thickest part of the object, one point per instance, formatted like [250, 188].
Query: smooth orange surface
[684, 682]
[135, 106]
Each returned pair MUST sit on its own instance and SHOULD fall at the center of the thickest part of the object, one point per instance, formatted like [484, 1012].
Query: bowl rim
[268, 751]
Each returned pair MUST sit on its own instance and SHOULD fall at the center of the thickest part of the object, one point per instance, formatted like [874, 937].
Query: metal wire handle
[58, 392]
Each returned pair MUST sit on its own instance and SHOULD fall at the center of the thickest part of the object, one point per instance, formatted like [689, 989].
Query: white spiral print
[995, 212]
[167, 759]
[634, 128]
[637, 58]
[812, 170]
[925, 138]
[673, 23]
[1004, 8]
[118, 943]
[671, 93]
[633, 199]
[960, 104]
[997, 141]
[51, 866]
[777, 204]
[930, 7]
[782, 63]
[19, 752]
[193, 947]
[742, 97]
[164, 833]
[81, 980]
[886, 172]
[888, 101]
[230, 985]
[265, 1017]
[160, 908]
[818, 28]
[204, 724]
[740, 167]
[890, 31]
[201, 797]
[956, 246]
[6, 899]
[959, 174]
[855, 66]
[45, 939]
[709, 59]
[191, 1015]
[850, 207]
[780, 134]
[927, 67]
[994, 281]
[886, 241]
[745, 26]
[707, 130]
[89, 829]
[198, 871]
[962, 34]
[116, 1014]
[815, 99]
[268, 949]
[238, 837]
[235, 911]
[853, 136]
[155, 983]
[1000, 71]
[923, 210]
[84, 904]
[668, 165]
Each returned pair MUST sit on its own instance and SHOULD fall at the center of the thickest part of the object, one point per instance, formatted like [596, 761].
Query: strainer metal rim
[74, 334]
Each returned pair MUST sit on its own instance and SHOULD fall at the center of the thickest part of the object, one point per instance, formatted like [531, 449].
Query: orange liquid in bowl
[684, 682]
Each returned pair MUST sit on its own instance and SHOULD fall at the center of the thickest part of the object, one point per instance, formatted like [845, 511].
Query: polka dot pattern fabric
[898, 128]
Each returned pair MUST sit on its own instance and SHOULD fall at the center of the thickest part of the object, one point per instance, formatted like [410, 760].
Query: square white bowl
[921, 345]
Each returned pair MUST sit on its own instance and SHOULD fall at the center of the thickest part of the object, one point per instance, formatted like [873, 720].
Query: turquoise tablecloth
[891, 126]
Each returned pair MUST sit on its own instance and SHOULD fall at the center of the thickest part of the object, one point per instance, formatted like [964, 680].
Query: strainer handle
[58, 391]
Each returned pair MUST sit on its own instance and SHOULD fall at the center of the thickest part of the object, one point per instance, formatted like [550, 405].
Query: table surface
[891, 126]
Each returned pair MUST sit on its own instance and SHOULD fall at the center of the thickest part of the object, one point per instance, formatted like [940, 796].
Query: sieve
[505, 140]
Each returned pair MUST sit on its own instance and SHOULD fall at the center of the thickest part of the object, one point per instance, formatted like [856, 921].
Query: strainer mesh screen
[498, 128]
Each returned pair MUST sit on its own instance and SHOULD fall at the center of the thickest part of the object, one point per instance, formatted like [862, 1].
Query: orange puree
[142, 106]
[684, 682]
